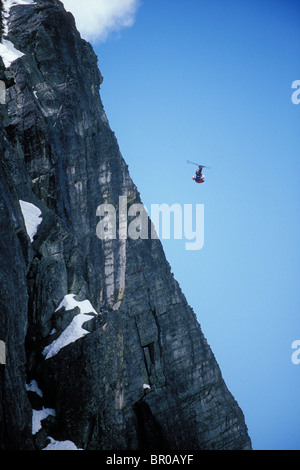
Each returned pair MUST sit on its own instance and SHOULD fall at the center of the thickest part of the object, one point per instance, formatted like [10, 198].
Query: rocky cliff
[102, 349]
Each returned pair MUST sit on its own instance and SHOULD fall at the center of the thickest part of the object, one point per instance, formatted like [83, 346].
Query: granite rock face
[100, 339]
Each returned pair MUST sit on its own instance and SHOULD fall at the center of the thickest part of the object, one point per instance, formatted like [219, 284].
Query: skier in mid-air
[199, 177]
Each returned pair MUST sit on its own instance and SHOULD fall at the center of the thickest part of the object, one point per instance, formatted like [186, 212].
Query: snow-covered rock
[32, 218]
[60, 445]
[74, 331]
[38, 416]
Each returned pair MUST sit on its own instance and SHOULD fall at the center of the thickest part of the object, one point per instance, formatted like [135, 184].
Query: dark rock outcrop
[140, 374]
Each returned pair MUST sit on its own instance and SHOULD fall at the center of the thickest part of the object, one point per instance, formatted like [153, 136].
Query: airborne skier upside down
[199, 177]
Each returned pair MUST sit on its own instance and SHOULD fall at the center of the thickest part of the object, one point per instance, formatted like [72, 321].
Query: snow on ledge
[74, 331]
[32, 219]
[69, 303]
[33, 387]
[38, 416]
[8, 51]
[60, 445]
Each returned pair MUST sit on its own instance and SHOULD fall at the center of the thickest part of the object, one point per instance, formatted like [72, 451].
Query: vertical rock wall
[129, 367]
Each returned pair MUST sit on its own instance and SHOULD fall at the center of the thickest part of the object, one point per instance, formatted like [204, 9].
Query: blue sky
[210, 81]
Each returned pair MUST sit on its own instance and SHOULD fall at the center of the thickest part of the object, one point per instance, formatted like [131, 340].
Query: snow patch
[74, 331]
[38, 416]
[70, 303]
[32, 218]
[33, 387]
[60, 445]
[8, 51]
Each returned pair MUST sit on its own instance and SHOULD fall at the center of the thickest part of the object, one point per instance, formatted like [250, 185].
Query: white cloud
[96, 19]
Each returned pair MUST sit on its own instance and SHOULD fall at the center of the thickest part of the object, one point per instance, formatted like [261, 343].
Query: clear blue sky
[210, 81]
